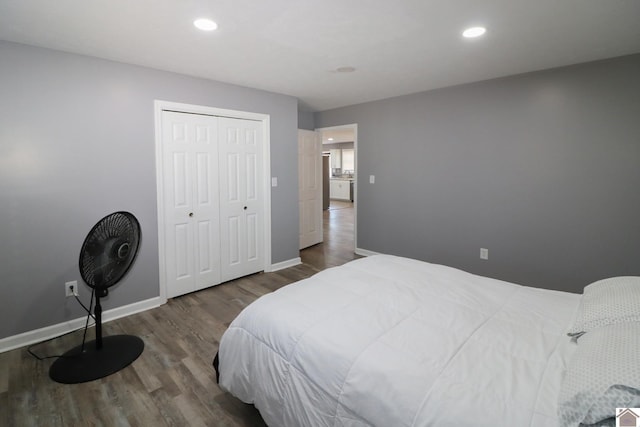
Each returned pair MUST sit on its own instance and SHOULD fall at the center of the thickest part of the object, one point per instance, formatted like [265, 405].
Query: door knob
[190, 214]
[245, 208]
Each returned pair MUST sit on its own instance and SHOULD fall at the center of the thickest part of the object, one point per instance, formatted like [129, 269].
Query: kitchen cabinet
[340, 189]
[348, 160]
[336, 158]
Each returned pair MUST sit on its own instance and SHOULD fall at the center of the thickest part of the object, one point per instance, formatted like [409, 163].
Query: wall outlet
[484, 253]
[71, 289]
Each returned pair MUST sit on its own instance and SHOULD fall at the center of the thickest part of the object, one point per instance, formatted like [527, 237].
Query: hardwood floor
[338, 245]
[173, 382]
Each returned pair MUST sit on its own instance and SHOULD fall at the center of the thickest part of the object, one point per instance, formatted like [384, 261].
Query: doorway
[341, 143]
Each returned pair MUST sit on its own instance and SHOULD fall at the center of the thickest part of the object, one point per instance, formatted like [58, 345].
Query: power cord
[84, 336]
[88, 310]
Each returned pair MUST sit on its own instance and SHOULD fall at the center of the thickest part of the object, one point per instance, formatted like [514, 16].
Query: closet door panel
[241, 197]
[191, 207]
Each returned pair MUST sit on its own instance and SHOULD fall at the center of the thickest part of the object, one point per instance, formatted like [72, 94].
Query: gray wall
[305, 120]
[77, 143]
[543, 169]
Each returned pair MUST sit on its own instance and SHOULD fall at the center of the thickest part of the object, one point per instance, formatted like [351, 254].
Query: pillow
[606, 302]
[603, 374]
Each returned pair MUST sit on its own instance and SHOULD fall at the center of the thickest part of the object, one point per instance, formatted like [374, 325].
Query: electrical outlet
[71, 289]
[484, 253]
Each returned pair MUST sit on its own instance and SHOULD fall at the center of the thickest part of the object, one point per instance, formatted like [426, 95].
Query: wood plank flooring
[173, 382]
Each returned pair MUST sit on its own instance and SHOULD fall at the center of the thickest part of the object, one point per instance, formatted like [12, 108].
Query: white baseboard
[42, 334]
[365, 252]
[285, 264]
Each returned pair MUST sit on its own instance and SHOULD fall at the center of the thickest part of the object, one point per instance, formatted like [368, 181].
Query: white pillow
[604, 374]
[608, 301]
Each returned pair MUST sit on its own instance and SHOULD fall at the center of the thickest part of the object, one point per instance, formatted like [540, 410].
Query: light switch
[372, 179]
[274, 181]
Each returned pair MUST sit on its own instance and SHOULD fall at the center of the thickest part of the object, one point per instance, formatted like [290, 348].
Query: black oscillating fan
[106, 255]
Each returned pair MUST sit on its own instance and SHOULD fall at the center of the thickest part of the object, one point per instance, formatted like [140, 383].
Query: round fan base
[76, 366]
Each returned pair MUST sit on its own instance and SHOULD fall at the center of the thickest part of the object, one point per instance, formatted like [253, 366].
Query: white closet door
[241, 197]
[190, 161]
[310, 187]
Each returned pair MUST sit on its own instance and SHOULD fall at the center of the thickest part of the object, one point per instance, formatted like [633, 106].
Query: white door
[241, 197]
[190, 161]
[310, 187]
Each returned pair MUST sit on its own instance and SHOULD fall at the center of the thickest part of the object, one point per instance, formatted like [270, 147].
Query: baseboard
[365, 252]
[38, 335]
[286, 264]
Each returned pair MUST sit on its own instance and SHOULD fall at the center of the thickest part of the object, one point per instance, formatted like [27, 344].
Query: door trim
[354, 128]
[159, 106]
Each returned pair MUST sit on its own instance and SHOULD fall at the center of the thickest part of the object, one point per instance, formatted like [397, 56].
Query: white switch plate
[274, 181]
[372, 179]
[484, 253]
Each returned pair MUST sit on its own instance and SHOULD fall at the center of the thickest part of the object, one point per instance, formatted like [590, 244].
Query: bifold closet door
[191, 202]
[241, 197]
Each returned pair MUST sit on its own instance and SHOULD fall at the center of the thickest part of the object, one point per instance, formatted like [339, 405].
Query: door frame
[159, 106]
[354, 128]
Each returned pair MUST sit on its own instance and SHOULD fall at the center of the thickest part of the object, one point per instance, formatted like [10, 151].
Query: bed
[390, 341]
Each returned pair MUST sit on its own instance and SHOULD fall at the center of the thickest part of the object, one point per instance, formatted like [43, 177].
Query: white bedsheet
[390, 342]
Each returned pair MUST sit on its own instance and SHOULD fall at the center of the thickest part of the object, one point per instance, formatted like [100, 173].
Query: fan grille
[109, 250]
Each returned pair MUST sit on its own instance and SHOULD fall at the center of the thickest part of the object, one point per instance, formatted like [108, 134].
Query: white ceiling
[337, 136]
[293, 47]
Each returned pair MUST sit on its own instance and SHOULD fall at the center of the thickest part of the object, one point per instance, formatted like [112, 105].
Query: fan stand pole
[97, 312]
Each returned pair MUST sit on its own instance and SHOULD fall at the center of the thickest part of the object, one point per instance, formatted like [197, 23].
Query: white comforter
[390, 342]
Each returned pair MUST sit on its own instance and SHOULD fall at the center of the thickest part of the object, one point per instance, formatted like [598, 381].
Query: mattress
[390, 341]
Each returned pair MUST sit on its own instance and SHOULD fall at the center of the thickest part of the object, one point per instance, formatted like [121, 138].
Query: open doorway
[328, 227]
[339, 148]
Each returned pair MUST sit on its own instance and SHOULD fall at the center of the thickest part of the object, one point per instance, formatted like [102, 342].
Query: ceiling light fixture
[205, 24]
[474, 32]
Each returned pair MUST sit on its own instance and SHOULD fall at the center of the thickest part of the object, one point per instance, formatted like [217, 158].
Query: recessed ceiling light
[345, 70]
[474, 32]
[205, 24]
[330, 139]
